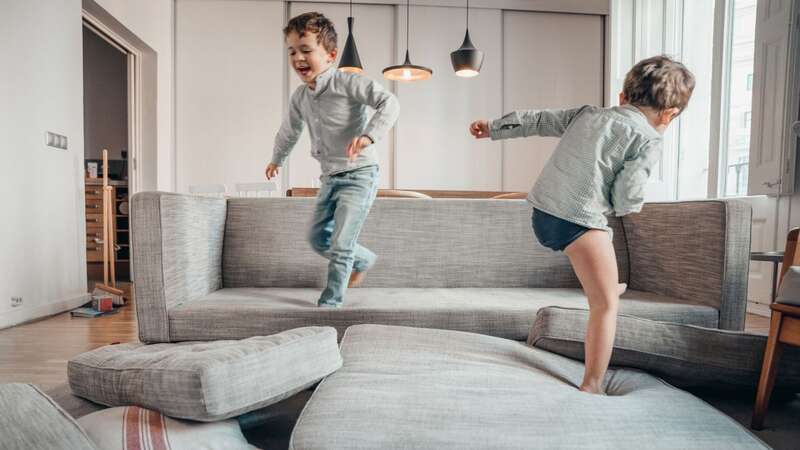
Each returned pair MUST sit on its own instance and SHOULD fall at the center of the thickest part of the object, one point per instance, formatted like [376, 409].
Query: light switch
[56, 140]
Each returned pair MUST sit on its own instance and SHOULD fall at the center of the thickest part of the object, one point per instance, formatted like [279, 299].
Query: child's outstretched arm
[387, 110]
[627, 192]
[545, 122]
[287, 136]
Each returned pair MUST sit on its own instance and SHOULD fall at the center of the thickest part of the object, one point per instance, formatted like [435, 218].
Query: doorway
[107, 101]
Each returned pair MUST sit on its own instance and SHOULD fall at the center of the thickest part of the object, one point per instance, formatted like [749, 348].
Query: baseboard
[759, 309]
[23, 315]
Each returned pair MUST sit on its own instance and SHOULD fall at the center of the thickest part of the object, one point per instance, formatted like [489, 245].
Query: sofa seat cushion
[686, 356]
[206, 381]
[405, 387]
[508, 313]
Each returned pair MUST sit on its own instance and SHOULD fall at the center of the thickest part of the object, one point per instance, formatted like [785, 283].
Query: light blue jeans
[343, 203]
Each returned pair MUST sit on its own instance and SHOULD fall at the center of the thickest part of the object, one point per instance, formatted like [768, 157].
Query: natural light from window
[737, 99]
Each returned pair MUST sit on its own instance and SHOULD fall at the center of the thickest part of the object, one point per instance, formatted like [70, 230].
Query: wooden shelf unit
[94, 228]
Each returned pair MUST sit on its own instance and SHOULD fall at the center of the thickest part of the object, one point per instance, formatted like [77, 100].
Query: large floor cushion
[30, 419]
[684, 355]
[206, 381]
[507, 313]
[407, 388]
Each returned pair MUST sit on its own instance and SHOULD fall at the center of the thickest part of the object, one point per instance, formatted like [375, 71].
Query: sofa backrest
[419, 243]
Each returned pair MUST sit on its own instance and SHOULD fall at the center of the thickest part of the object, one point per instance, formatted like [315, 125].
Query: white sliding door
[550, 61]
[435, 150]
[373, 30]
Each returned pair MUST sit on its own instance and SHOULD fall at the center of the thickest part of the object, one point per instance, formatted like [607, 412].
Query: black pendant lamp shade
[467, 60]
[407, 71]
[350, 61]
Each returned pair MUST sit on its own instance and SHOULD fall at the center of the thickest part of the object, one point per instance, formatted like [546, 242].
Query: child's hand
[356, 145]
[479, 129]
[272, 171]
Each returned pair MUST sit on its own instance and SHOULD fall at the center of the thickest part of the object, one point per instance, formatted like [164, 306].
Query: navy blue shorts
[555, 233]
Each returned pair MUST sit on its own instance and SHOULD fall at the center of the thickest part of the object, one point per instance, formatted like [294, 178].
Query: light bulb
[406, 74]
[467, 73]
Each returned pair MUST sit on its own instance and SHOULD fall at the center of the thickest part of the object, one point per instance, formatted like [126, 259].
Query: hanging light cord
[351, 8]
[467, 14]
[407, 20]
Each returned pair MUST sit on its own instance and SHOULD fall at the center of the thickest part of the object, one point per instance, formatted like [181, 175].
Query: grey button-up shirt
[599, 167]
[336, 112]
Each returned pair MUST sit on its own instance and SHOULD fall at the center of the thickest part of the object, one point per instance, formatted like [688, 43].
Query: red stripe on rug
[131, 437]
[158, 431]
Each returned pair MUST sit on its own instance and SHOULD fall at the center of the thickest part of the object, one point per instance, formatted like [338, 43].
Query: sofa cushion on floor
[501, 312]
[406, 388]
[30, 419]
[206, 381]
[132, 427]
[683, 355]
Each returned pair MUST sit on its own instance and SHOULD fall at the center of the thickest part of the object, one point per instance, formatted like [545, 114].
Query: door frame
[134, 82]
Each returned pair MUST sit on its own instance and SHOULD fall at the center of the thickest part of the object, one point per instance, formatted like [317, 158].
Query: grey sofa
[210, 268]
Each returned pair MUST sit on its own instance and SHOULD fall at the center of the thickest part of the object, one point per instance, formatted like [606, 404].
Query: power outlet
[16, 301]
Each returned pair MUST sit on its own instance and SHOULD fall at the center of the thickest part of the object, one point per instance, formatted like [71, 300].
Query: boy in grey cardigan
[600, 167]
[334, 105]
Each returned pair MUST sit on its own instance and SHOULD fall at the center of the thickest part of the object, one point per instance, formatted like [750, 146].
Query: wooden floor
[38, 352]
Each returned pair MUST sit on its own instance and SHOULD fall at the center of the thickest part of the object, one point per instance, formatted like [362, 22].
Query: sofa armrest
[176, 243]
[697, 251]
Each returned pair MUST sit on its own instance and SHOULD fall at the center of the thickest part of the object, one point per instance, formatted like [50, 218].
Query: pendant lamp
[407, 71]
[350, 61]
[467, 60]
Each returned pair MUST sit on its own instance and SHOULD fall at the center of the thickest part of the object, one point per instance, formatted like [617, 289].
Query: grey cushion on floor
[419, 388]
[507, 313]
[30, 419]
[684, 355]
[206, 381]
[789, 293]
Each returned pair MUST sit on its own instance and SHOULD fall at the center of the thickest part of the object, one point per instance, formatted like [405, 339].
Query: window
[693, 133]
[737, 97]
[714, 131]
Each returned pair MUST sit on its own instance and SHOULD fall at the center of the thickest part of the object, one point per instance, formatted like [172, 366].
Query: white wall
[229, 96]
[42, 259]
[434, 148]
[42, 232]
[152, 21]
[231, 59]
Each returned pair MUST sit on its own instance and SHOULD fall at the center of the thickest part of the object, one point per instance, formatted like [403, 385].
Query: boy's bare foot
[592, 389]
[622, 288]
[356, 278]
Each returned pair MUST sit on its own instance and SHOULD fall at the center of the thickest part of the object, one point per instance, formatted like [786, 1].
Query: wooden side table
[775, 258]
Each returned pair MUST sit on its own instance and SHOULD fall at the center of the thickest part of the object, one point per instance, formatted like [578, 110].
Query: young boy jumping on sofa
[333, 104]
[600, 167]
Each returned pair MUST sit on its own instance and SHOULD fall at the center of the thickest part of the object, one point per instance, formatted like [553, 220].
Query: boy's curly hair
[313, 22]
[660, 83]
